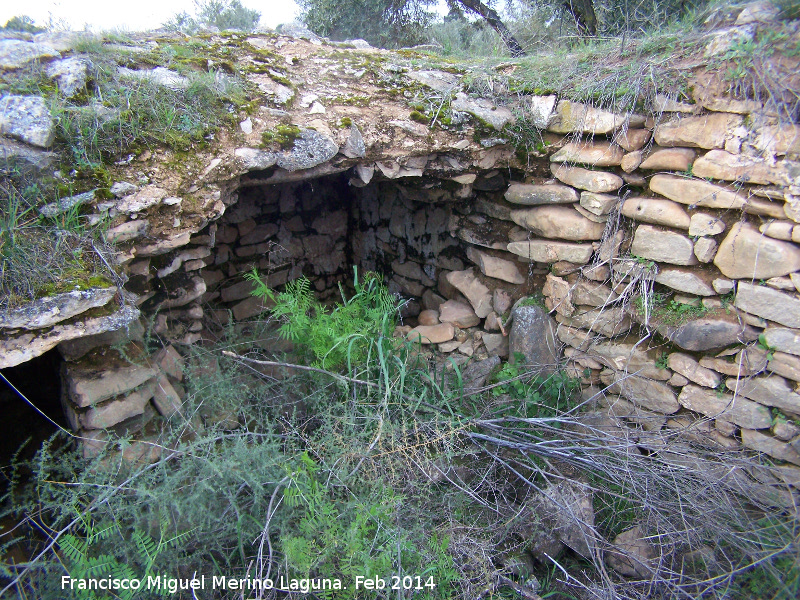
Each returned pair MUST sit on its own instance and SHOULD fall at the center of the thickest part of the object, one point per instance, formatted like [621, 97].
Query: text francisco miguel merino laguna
[172, 585]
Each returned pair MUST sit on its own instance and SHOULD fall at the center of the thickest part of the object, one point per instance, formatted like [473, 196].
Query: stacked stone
[726, 243]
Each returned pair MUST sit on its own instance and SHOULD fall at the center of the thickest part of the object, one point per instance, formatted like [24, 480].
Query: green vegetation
[664, 310]
[222, 14]
[283, 135]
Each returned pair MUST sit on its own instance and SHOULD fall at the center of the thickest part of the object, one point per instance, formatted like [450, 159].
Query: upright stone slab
[533, 335]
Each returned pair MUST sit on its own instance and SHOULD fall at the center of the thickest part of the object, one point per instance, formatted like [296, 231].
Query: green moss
[283, 135]
[346, 122]
[419, 117]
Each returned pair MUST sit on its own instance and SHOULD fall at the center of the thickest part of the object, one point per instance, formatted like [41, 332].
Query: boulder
[118, 410]
[27, 118]
[768, 303]
[669, 159]
[558, 222]
[771, 390]
[606, 321]
[70, 75]
[17, 53]
[429, 317]
[591, 293]
[495, 267]
[595, 154]
[432, 334]
[159, 76]
[719, 164]
[566, 508]
[628, 357]
[550, 251]
[533, 335]
[656, 211]
[165, 397]
[310, 149]
[632, 555]
[696, 192]
[785, 365]
[708, 333]
[683, 280]
[630, 162]
[459, 314]
[496, 344]
[473, 290]
[591, 181]
[532, 195]
[575, 117]
[484, 110]
[691, 369]
[558, 295]
[746, 253]
[780, 230]
[663, 246]
[738, 410]
[542, 109]
[706, 131]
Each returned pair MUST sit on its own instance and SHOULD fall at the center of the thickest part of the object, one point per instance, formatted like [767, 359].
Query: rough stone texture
[670, 159]
[550, 251]
[18, 157]
[432, 334]
[130, 230]
[165, 397]
[598, 204]
[705, 224]
[632, 555]
[429, 317]
[531, 195]
[159, 75]
[479, 296]
[459, 314]
[695, 192]
[663, 246]
[47, 311]
[783, 339]
[706, 131]
[632, 140]
[760, 442]
[252, 159]
[739, 410]
[116, 411]
[566, 508]
[76, 348]
[653, 395]
[558, 295]
[705, 249]
[591, 293]
[574, 117]
[89, 386]
[70, 75]
[533, 335]
[691, 369]
[770, 391]
[354, 145]
[170, 361]
[310, 149]
[495, 267]
[630, 162]
[628, 357]
[656, 211]
[609, 321]
[780, 230]
[709, 333]
[595, 154]
[746, 253]
[542, 109]
[558, 222]
[768, 303]
[17, 53]
[719, 164]
[785, 365]
[249, 307]
[484, 110]
[27, 118]
[689, 282]
[583, 179]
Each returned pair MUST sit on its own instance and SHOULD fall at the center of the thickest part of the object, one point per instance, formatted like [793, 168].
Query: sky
[131, 16]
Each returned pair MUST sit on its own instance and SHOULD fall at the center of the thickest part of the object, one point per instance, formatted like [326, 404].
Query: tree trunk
[493, 19]
[583, 13]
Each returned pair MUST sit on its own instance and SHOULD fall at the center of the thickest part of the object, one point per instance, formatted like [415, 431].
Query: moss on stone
[283, 135]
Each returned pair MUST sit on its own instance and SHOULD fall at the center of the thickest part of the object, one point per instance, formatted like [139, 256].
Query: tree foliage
[222, 14]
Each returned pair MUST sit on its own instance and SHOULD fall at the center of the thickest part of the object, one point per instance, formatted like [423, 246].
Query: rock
[478, 294]
[783, 340]
[431, 300]
[549, 251]
[771, 390]
[780, 230]
[758, 12]
[598, 204]
[528, 194]
[719, 164]
[484, 110]
[165, 398]
[130, 230]
[116, 411]
[252, 159]
[705, 224]
[708, 333]
[592, 293]
[497, 268]
[609, 321]
[88, 386]
[706, 131]
[310, 149]
[785, 365]
[439, 81]
[689, 282]
[574, 117]
[475, 373]
[429, 317]
[354, 145]
[662, 103]
[669, 159]
[21, 158]
[691, 369]
[632, 140]
[595, 154]
[76, 348]
[746, 253]
[27, 118]
[496, 344]
[249, 307]
[760, 442]
[17, 53]
[695, 192]
[49, 310]
[633, 554]
[778, 139]
[591, 181]
[768, 303]
[533, 335]
[53, 209]
[170, 361]
[566, 508]
[542, 109]
[714, 405]
[630, 162]
[656, 211]
[23, 347]
[653, 395]
[459, 314]
[501, 301]
[432, 334]
[164, 246]
[70, 75]
[159, 76]
[558, 222]
[705, 249]
[663, 246]
[627, 357]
